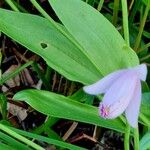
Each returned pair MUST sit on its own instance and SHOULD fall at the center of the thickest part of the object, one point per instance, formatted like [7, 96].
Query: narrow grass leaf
[48, 140]
[12, 142]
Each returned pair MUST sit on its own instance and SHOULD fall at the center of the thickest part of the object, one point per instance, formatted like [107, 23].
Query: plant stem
[136, 138]
[144, 58]
[127, 138]
[48, 73]
[126, 36]
[144, 119]
[41, 75]
[12, 5]
[13, 74]
[115, 12]
[100, 5]
[142, 24]
[20, 8]
[133, 12]
[125, 21]
[131, 4]
[47, 124]
[20, 137]
[144, 47]
[3, 103]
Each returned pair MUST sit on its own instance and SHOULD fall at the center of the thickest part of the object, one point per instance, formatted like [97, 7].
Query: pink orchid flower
[122, 91]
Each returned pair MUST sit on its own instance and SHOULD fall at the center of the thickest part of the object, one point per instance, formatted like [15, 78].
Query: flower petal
[118, 96]
[141, 70]
[104, 84]
[133, 108]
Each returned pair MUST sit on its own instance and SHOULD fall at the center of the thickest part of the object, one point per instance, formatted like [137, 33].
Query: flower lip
[104, 110]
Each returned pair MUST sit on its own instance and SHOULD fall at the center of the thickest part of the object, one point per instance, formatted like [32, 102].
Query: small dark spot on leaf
[43, 45]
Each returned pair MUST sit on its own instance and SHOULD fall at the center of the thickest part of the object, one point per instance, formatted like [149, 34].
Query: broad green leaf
[145, 142]
[42, 38]
[96, 35]
[60, 106]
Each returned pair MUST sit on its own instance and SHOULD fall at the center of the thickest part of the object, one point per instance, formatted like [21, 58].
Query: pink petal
[118, 96]
[104, 84]
[133, 108]
[141, 70]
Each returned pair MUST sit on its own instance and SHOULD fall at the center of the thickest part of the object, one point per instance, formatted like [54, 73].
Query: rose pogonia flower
[122, 92]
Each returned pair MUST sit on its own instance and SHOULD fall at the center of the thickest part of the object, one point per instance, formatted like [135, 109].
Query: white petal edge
[119, 95]
[132, 111]
[104, 84]
[141, 70]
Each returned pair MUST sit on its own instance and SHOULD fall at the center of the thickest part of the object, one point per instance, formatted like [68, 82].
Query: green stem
[100, 5]
[122, 118]
[144, 58]
[136, 138]
[127, 138]
[41, 75]
[125, 21]
[3, 105]
[133, 12]
[48, 73]
[20, 137]
[115, 12]
[12, 5]
[142, 24]
[144, 119]
[13, 74]
[60, 29]
[131, 4]
[20, 7]
[144, 47]
[48, 124]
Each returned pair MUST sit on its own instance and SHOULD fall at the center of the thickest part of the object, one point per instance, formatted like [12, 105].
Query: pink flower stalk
[122, 91]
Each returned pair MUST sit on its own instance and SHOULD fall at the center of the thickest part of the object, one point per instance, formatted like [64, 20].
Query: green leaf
[3, 105]
[145, 142]
[12, 142]
[48, 140]
[6, 147]
[146, 2]
[98, 37]
[86, 63]
[60, 106]
[42, 38]
[81, 96]
[145, 107]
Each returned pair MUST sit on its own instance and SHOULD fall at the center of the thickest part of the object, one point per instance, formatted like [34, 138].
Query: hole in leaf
[43, 45]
